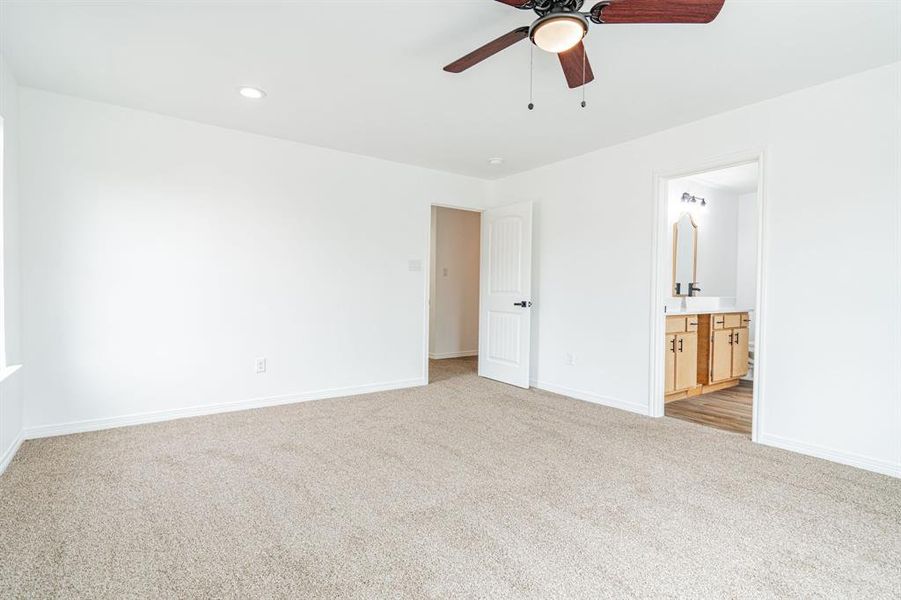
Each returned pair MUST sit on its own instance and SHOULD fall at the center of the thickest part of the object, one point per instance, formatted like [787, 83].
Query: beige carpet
[466, 488]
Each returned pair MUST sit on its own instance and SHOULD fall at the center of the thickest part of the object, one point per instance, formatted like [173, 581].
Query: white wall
[11, 401]
[454, 303]
[746, 284]
[831, 386]
[161, 257]
[717, 234]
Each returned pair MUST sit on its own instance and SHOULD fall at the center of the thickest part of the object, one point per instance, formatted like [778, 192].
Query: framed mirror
[685, 254]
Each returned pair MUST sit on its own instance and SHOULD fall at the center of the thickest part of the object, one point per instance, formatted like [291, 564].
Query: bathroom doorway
[709, 270]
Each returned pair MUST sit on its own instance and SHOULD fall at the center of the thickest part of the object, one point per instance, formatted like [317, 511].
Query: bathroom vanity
[707, 333]
[705, 352]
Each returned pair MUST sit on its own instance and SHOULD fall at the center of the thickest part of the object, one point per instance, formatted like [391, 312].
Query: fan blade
[572, 64]
[656, 11]
[489, 49]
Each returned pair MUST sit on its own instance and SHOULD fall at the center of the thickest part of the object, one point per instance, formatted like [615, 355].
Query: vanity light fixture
[686, 197]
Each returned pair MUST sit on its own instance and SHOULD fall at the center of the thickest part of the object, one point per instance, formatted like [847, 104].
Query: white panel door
[506, 294]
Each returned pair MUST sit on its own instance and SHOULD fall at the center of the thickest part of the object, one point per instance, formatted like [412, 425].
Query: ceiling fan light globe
[558, 33]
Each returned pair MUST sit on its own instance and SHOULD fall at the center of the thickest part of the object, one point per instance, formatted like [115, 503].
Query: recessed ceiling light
[252, 93]
[495, 161]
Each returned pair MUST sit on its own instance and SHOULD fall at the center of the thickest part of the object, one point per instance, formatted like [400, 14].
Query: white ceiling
[365, 76]
[741, 179]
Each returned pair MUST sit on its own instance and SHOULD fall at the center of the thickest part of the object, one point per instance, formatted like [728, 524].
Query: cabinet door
[670, 379]
[740, 352]
[686, 360]
[721, 355]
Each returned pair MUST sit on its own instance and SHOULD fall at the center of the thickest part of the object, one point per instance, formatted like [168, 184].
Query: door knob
[523, 304]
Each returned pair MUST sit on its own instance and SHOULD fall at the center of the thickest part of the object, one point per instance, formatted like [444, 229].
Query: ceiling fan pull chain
[531, 75]
[584, 59]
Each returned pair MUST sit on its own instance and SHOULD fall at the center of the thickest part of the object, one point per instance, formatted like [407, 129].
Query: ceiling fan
[561, 26]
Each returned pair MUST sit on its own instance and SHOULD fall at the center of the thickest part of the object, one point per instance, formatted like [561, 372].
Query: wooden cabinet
[681, 364]
[705, 353]
[720, 355]
[740, 352]
[727, 357]
[686, 360]
[670, 379]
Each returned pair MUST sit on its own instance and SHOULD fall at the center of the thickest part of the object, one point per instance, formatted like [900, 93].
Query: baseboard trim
[43, 431]
[635, 407]
[11, 452]
[846, 458]
[442, 355]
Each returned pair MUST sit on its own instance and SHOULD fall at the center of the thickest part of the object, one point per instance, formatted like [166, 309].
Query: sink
[707, 302]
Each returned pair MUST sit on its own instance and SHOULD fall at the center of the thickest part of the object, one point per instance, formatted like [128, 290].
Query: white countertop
[675, 312]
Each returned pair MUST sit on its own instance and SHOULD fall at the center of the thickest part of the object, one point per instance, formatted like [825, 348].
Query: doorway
[478, 304]
[454, 264]
[709, 270]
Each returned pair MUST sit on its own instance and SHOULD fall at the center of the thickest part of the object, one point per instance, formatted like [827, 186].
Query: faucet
[692, 288]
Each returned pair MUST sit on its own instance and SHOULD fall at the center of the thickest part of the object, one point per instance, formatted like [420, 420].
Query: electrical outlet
[570, 359]
[261, 365]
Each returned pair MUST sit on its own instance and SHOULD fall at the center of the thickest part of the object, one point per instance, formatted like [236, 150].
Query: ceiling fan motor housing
[544, 7]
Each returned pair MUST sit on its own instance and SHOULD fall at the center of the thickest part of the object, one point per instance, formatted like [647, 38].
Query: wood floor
[727, 409]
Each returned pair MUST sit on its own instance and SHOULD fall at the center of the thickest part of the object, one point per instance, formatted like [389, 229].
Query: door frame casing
[660, 279]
